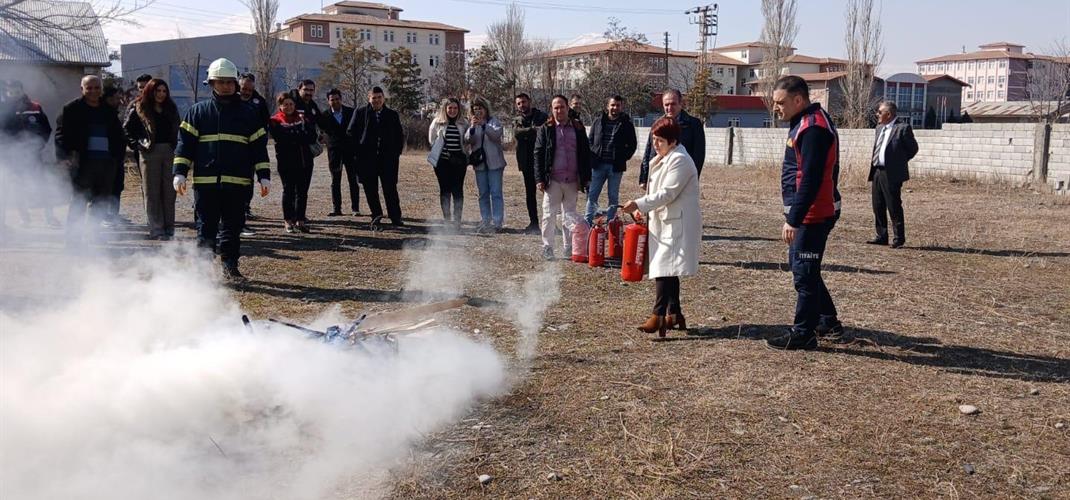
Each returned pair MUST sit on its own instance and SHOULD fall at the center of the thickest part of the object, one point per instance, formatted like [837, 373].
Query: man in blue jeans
[613, 142]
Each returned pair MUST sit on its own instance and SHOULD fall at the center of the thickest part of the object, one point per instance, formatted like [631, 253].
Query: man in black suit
[378, 139]
[334, 123]
[893, 147]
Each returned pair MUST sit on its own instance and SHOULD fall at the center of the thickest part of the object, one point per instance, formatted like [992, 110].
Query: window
[1000, 94]
[752, 75]
[969, 64]
[410, 37]
[969, 95]
[971, 80]
[743, 54]
[990, 94]
[992, 63]
[337, 32]
[433, 39]
[388, 35]
[767, 123]
[733, 122]
[415, 60]
[1002, 80]
[731, 90]
[720, 72]
[366, 34]
[316, 31]
[433, 62]
[731, 71]
[1003, 63]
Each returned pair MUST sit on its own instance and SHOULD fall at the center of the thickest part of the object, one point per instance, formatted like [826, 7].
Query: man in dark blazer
[893, 147]
[89, 142]
[334, 122]
[692, 134]
[378, 139]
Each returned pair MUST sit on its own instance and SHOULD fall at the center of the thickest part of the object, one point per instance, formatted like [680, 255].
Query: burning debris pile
[372, 334]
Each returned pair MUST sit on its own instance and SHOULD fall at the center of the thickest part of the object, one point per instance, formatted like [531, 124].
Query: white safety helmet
[220, 69]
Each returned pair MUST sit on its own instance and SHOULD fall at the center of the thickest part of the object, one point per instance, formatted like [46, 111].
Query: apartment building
[749, 57]
[999, 72]
[380, 26]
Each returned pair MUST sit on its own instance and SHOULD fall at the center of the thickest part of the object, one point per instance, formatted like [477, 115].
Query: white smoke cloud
[125, 388]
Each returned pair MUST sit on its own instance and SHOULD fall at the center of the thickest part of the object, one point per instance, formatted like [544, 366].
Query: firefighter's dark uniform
[224, 142]
[809, 176]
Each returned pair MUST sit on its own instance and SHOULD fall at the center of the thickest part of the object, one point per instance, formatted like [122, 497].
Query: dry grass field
[976, 310]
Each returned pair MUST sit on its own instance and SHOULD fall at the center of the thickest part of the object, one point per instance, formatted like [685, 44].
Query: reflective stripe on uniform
[258, 134]
[835, 205]
[262, 166]
[225, 137]
[227, 179]
[182, 161]
[189, 128]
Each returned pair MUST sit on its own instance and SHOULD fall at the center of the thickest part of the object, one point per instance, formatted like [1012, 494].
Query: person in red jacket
[294, 134]
[811, 207]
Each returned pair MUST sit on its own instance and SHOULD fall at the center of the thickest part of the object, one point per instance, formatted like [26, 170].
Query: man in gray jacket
[893, 147]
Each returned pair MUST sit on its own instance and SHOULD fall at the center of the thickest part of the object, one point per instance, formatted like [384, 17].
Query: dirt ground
[976, 310]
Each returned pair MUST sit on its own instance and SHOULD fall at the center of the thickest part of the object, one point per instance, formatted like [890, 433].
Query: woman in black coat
[294, 136]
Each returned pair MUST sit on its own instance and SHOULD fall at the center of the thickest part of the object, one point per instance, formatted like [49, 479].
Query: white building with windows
[996, 73]
[379, 26]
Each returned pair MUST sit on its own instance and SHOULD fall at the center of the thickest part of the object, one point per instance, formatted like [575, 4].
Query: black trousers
[220, 213]
[118, 184]
[667, 300]
[451, 189]
[376, 170]
[814, 304]
[887, 200]
[529, 194]
[296, 178]
[339, 159]
[93, 182]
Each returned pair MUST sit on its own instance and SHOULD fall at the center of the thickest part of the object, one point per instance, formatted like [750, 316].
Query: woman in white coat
[675, 223]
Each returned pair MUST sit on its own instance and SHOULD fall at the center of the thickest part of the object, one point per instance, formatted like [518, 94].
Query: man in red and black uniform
[811, 207]
[25, 121]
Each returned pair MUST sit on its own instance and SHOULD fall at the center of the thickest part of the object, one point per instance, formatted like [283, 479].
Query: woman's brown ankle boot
[653, 324]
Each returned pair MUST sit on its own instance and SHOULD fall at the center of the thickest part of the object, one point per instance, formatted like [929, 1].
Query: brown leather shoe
[676, 321]
[653, 324]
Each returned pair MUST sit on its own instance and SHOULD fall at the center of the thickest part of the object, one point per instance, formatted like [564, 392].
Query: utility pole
[196, 71]
[706, 18]
[666, 59]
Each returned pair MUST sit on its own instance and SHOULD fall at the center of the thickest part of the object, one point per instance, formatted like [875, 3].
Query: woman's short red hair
[667, 129]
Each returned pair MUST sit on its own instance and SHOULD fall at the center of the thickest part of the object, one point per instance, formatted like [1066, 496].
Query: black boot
[793, 340]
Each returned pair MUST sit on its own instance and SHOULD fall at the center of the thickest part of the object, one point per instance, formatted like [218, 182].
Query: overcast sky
[914, 29]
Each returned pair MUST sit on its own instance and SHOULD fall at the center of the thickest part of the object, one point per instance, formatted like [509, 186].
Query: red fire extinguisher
[615, 240]
[580, 230]
[635, 248]
[596, 252]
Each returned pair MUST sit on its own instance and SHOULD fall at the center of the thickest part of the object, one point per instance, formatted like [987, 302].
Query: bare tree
[75, 23]
[266, 47]
[1048, 83]
[508, 40]
[189, 62]
[626, 68]
[352, 66]
[778, 36]
[865, 51]
[451, 79]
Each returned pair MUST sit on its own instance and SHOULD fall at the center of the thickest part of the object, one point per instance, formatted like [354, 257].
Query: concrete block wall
[994, 151]
[1059, 161]
[716, 144]
[999, 151]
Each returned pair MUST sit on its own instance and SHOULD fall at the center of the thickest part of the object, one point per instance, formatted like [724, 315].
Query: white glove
[180, 185]
[265, 187]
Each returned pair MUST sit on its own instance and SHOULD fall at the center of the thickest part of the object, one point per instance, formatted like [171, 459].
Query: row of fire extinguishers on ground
[611, 240]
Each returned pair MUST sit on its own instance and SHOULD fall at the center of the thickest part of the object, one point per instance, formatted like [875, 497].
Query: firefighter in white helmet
[224, 143]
